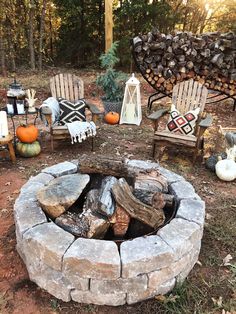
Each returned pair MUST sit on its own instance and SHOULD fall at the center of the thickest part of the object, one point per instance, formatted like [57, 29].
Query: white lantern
[131, 112]
[3, 124]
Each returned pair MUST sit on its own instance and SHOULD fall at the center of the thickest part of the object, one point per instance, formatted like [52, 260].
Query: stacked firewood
[165, 60]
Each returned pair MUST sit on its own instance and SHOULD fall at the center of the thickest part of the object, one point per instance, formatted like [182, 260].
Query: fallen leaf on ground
[226, 312]
[199, 263]
[160, 298]
[104, 144]
[217, 302]
[208, 216]
[226, 260]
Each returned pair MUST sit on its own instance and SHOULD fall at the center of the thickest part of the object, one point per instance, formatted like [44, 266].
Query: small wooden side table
[8, 140]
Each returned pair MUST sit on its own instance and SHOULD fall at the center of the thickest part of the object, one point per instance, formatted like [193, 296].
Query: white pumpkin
[226, 169]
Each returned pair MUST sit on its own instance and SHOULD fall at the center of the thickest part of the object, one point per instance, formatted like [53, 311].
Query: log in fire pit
[104, 231]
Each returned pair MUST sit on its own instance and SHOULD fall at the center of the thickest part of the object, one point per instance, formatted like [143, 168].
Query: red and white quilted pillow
[182, 124]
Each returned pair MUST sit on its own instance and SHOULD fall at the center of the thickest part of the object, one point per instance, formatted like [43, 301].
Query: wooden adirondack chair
[187, 95]
[70, 87]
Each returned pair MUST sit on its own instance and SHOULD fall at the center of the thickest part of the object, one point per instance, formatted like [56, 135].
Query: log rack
[149, 49]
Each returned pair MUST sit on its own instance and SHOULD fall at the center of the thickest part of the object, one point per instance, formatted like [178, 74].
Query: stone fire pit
[100, 271]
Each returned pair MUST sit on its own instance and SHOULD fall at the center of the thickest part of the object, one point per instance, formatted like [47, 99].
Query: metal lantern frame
[131, 112]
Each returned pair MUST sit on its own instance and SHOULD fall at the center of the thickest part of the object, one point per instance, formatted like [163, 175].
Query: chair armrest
[158, 114]
[155, 116]
[206, 122]
[93, 108]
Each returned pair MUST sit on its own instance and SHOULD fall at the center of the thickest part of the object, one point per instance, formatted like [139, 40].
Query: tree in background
[2, 41]
[138, 16]
[41, 34]
[31, 33]
[75, 28]
[81, 34]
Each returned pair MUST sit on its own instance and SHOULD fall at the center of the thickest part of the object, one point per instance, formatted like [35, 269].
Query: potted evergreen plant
[112, 82]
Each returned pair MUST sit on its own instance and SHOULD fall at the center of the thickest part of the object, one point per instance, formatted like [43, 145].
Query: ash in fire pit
[106, 206]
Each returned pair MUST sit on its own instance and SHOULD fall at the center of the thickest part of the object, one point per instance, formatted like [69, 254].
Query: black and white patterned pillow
[70, 111]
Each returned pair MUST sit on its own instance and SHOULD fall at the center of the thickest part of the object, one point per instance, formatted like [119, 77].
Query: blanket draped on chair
[78, 130]
[81, 130]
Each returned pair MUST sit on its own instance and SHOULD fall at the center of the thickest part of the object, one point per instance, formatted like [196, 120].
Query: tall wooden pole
[108, 24]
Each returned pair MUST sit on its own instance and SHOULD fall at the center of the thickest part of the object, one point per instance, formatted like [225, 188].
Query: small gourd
[27, 133]
[112, 117]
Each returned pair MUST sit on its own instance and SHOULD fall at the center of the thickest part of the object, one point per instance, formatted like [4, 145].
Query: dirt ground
[211, 285]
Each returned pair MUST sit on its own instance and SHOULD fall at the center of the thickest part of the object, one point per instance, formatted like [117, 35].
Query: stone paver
[183, 190]
[143, 255]
[192, 210]
[49, 279]
[181, 235]
[188, 267]
[170, 176]
[61, 169]
[134, 297]
[90, 258]
[119, 285]
[41, 179]
[47, 241]
[113, 299]
[27, 215]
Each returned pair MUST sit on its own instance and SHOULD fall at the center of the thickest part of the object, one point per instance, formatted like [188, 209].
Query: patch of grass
[54, 304]
[188, 299]
[212, 260]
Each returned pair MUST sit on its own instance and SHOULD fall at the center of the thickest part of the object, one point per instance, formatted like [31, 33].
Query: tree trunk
[2, 53]
[41, 34]
[100, 25]
[31, 35]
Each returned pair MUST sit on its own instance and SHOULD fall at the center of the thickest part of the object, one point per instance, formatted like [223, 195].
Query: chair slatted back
[189, 95]
[67, 86]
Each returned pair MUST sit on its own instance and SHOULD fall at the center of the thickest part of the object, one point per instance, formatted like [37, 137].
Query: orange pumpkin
[27, 133]
[112, 117]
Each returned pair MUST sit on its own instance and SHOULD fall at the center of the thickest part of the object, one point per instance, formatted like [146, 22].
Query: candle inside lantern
[130, 112]
[3, 124]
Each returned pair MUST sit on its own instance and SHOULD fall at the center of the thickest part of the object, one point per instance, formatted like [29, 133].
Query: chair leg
[153, 149]
[11, 151]
[198, 149]
[195, 154]
[52, 144]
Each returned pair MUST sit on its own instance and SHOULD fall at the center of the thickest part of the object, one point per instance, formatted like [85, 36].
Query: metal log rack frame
[210, 100]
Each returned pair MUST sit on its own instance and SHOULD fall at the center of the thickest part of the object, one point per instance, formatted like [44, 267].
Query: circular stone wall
[96, 271]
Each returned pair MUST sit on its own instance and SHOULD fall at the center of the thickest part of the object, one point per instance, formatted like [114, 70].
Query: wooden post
[108, 25]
